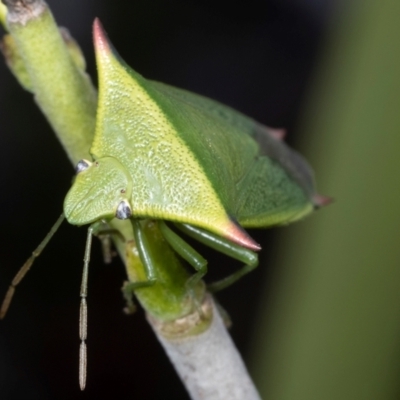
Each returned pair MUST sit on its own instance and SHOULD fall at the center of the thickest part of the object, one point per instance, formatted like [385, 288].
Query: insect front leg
[127, 293]
[103, 231]
[248, 257]
[142, 246]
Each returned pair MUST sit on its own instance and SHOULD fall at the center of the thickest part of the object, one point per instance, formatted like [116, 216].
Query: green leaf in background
[331, 327]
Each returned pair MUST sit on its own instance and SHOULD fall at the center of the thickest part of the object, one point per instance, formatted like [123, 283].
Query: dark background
[256, 56]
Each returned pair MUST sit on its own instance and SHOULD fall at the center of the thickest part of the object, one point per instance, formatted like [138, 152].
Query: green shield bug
[181, 157]
[166, 154]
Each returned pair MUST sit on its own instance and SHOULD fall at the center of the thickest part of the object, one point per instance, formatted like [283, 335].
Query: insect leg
[106, 247]
[127, 293]
[142, 246]
[104, 233]
[27, 266]
[186, 252]
[248, 257]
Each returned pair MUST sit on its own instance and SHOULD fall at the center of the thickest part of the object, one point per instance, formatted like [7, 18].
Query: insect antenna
[27, 266]
[83, 312]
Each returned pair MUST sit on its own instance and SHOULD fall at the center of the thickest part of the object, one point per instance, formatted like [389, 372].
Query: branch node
[23, 11]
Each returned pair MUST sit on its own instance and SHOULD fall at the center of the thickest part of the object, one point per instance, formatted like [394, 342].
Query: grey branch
[208, 363]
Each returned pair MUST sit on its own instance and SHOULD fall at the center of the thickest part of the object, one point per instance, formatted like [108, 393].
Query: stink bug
[169, 155]
[163, 153]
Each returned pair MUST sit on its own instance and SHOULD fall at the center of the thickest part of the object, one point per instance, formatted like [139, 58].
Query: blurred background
[320, 318]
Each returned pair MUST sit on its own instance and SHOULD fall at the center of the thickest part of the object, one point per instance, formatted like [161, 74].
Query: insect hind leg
[248, 257]
[187, 253]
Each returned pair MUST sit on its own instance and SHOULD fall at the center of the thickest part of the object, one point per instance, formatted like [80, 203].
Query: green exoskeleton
[168, 155]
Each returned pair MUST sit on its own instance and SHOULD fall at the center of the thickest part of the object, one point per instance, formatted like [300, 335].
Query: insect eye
[82, 165]
[124, 210]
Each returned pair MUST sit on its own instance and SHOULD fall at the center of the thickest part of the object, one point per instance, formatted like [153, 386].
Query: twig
[208, 363]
